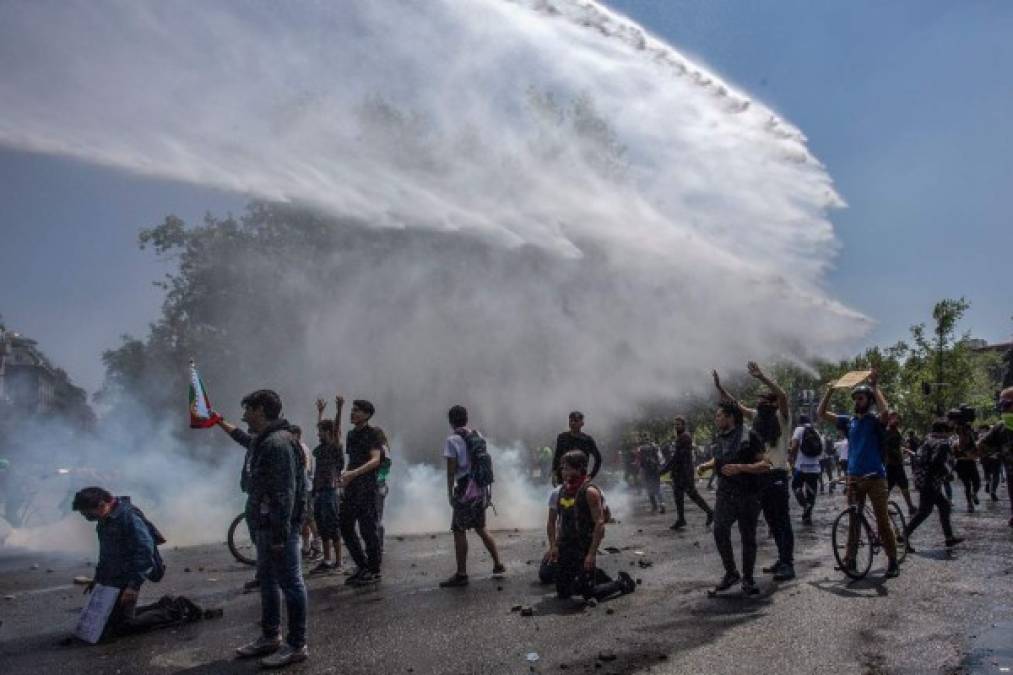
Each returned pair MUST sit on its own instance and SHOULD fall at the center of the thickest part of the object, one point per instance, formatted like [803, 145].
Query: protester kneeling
[581, 527]
[128, 556]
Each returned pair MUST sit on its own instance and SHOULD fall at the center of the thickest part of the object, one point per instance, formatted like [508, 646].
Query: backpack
[811, 446]
[157, 570]
[479, 460]
[301, 499]
[929, 463]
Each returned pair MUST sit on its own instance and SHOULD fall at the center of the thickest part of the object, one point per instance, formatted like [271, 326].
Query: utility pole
[939, 368]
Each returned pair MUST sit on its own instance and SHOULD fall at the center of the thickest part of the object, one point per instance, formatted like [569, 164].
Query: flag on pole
[201, 415]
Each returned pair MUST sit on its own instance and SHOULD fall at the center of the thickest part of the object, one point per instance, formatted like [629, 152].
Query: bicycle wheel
[240, 544]
[899, 525]
[851, 522]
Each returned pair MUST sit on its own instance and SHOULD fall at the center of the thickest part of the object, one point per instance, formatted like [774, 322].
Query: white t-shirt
[456, 448]
[802, 462]
[778, 453]
[841, 447]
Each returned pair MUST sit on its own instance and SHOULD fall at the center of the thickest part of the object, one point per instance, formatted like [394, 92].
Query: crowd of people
[304, 505]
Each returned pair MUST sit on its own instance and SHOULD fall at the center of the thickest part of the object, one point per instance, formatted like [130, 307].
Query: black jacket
[275, 481]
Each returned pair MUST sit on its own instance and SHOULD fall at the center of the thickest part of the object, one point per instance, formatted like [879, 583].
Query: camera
[963, 415]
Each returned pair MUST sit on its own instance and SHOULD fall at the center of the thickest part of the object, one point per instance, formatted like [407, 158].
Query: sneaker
[786, 573]
[678, 525]
[727, 581]
[626, 582]
[323, 567]
[498, 571]
[953, 541]
[455, 581]
[772, 569]
[749, 587]
[285, 656]
[262, 646]
[892, 570]
[367, 579]
[355, 576]
[251, 585]
[710, 519]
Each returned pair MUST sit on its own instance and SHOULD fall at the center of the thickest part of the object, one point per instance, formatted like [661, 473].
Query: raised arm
[748, 412]
[822, 412]
[782, 398]
[881, 404]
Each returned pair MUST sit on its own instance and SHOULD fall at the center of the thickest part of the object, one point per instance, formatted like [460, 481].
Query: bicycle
[239, 541]
[867, 539]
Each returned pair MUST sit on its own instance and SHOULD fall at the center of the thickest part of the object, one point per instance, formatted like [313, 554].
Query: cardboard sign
[852, 379]
[95, 614]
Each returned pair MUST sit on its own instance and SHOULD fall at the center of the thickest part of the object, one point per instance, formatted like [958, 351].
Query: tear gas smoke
[622, 219]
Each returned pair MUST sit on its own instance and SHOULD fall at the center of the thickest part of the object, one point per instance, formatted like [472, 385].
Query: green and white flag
[201, 414]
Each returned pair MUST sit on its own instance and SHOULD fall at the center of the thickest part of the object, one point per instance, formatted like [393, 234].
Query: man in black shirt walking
[575, 439]
[680, 466]
[738, 456]
[364, 445]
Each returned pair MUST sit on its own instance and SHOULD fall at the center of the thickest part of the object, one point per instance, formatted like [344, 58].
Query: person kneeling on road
[127, 558]
[581, 527]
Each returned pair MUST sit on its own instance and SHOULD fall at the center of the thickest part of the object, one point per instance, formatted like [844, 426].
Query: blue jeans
[281, 574]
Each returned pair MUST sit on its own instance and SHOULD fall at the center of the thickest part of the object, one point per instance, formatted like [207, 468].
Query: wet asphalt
[950, 611]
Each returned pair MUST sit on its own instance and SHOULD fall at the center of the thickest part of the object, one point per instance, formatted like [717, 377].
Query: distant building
[27, 379]
[983, 346]
[30, 385]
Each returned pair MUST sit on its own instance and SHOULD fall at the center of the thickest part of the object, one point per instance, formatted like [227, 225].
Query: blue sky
[910, 106]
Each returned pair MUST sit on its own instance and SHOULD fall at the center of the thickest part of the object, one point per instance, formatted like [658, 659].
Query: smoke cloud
[547, 207]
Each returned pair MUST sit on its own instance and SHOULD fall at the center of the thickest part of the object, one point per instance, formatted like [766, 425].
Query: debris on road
[82, 581]
[606, 656]
[532, 656]
[644, 564]
[527, 611]
[516, 608]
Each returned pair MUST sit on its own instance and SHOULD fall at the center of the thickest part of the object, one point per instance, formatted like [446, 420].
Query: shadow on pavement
[863, 588]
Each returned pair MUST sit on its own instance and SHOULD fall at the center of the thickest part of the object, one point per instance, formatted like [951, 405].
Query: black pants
[571, 578]
[967, 471]
[358, 506]
[680, 492]
[928, 497]
[992, 468]
[168, 611]
[744, 509]
[775, 504]
[805, 485]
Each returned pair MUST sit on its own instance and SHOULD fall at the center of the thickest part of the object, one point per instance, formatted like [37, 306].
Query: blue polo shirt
[865, 444]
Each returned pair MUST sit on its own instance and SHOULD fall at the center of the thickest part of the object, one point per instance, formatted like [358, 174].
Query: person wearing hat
[866, 472]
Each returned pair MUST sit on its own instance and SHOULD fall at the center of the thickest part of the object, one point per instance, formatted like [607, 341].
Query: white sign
[96, 613]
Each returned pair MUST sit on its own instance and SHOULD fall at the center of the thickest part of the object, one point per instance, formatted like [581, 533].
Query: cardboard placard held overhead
[852, 379]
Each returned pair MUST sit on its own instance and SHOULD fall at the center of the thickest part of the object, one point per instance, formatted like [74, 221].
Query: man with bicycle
[866, 472]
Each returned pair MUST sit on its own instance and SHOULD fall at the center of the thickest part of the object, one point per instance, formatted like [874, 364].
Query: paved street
[948, 612]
